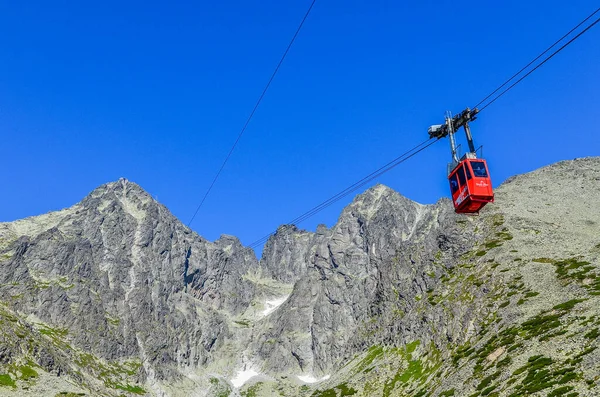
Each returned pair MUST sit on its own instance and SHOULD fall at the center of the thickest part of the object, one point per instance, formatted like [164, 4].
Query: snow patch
[312, 379]
[272, 305]
[242, 377]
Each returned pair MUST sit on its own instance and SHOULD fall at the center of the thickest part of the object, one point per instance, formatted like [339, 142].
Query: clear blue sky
[157, 92]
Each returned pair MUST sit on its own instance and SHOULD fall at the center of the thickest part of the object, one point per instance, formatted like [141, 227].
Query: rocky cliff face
[115, 296]
[346, 275]
[118, 278]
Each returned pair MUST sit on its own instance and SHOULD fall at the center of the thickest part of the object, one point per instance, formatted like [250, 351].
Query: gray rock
[115, 292]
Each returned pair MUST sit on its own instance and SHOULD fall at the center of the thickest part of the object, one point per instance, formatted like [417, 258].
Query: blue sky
[157, 92]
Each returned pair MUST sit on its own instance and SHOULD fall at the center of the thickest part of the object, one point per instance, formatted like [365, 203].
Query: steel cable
[262, 95]
[535, 59]
[352, 188]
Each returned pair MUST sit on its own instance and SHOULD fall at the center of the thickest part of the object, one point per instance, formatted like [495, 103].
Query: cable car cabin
[471, 186]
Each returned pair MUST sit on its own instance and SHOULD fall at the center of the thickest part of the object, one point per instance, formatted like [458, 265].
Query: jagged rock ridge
[389, 301]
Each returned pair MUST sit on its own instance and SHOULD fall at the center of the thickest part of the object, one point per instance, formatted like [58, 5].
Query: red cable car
[470, 183]
[470, 186]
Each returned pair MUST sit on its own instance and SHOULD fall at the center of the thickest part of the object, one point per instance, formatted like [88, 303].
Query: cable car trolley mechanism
[470, 183]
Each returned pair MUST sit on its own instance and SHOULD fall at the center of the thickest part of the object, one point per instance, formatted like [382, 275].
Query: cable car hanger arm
[460, 120]
[470, 184]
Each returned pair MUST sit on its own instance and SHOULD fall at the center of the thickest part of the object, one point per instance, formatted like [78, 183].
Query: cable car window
[479, 169]
[453, 183]
[461, 175]
[468, 172]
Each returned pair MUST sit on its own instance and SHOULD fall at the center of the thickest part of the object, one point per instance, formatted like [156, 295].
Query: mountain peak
[120, 188]
[392, 285]
[377, 199]
[379, 192]
[130, 196]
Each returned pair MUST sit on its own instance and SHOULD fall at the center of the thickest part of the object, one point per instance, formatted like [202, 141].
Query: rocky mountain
[114, 296]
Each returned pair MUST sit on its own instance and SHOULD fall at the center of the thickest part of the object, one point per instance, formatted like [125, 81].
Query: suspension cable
[417, 149]
[420, 147]
[536, 58]
[352, 188]
[260, 98]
